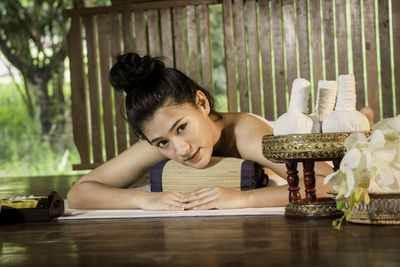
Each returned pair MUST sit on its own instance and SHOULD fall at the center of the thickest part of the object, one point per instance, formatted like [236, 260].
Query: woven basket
[383, 208]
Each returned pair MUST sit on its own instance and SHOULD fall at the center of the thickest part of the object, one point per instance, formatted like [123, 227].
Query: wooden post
[293, 182]
[309, 181]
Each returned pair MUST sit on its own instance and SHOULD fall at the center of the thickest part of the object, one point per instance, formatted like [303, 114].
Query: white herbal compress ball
[326, 97]
[345, 117]
[296, 120]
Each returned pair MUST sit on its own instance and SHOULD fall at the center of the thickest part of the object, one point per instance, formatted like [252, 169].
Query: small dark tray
[53, 207]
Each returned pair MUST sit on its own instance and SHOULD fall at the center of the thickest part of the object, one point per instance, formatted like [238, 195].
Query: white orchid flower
[372, 162]
[350, 180]
[382, 170]
[339, 181]
[363, 171]
[357, 140]
[389, 123]
[376, 140]
[351, 159]
[370, 165]
[396, 160]
[343, 179]
[390, 128]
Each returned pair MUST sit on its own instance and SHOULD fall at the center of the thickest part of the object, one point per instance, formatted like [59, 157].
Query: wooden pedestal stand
[307, 149]
[310, 206]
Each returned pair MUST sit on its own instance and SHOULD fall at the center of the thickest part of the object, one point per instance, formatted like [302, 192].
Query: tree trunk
[44, 102]
[59, 103]
[29, 100]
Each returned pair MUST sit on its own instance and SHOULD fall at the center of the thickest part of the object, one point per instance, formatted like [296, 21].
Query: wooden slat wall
[268, 43]
[355, 8]
[316, 48]
[384, 44]
[266, 60]
[128, 44]
[276, 29]
[193, 51]
[108, 121]
[116, 48]
[140, 33]
[290, 42]
[179, 42]
[329, 40]
[205, 49]
[254, 69]
[241, 58]
[396, 45]
[94, 98]
[302, 36]
[341, 35]
[231, 84]
[78, 92]
[166, 37]
[153, 40]
[371, 56]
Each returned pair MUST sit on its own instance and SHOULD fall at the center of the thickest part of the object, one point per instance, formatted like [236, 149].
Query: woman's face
[184, 133]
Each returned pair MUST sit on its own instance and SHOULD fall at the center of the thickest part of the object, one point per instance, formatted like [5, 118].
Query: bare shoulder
[248, 130]
[128, 166]
[250, 124]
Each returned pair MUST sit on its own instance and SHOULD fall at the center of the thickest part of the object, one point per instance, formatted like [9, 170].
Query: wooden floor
[199, 241]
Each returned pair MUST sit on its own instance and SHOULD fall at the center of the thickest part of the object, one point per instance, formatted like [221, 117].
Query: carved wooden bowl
[316, 146]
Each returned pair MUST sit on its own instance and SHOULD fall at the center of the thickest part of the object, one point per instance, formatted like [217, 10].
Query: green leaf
[348, 215]
[365, 184]
[358, 194]
[340, 204]
[366, 198]
[352, 200]
[337, 223]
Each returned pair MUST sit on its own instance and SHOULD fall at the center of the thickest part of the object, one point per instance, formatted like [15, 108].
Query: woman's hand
[162, 201]
[215, 197]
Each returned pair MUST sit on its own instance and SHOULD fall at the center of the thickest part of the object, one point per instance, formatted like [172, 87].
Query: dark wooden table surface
[197, 241]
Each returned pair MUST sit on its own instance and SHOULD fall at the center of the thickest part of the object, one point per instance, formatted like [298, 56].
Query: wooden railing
[267, 45]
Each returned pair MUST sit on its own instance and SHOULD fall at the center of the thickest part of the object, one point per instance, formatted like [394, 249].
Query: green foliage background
[21, 151]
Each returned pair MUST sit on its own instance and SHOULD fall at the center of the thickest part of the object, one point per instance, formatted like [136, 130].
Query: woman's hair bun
[132, 70]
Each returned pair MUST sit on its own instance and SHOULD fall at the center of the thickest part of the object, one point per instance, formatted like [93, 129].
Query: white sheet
[77, 214]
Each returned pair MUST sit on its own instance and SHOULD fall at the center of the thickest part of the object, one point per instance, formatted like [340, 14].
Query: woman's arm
[106, 186]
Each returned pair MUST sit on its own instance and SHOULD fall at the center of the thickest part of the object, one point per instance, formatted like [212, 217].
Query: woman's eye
[181, 128]
[162, 144]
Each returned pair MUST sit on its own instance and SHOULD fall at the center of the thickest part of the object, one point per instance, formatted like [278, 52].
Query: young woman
[175, 119]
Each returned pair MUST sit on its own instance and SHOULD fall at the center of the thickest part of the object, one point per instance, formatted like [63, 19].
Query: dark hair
[148, 84]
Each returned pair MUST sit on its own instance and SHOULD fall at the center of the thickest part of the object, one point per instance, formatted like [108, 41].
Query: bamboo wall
[267, 45]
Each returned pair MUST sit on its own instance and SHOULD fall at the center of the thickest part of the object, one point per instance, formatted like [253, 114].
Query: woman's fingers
[174, 200]
[205, 200]
[215, 197]
[198, 193]
[174, 205]
[165, 201]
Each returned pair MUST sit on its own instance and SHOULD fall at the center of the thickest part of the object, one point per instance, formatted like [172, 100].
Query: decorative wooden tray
[318, 146]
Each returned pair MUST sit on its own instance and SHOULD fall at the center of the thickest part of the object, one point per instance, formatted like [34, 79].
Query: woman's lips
[195, 157]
